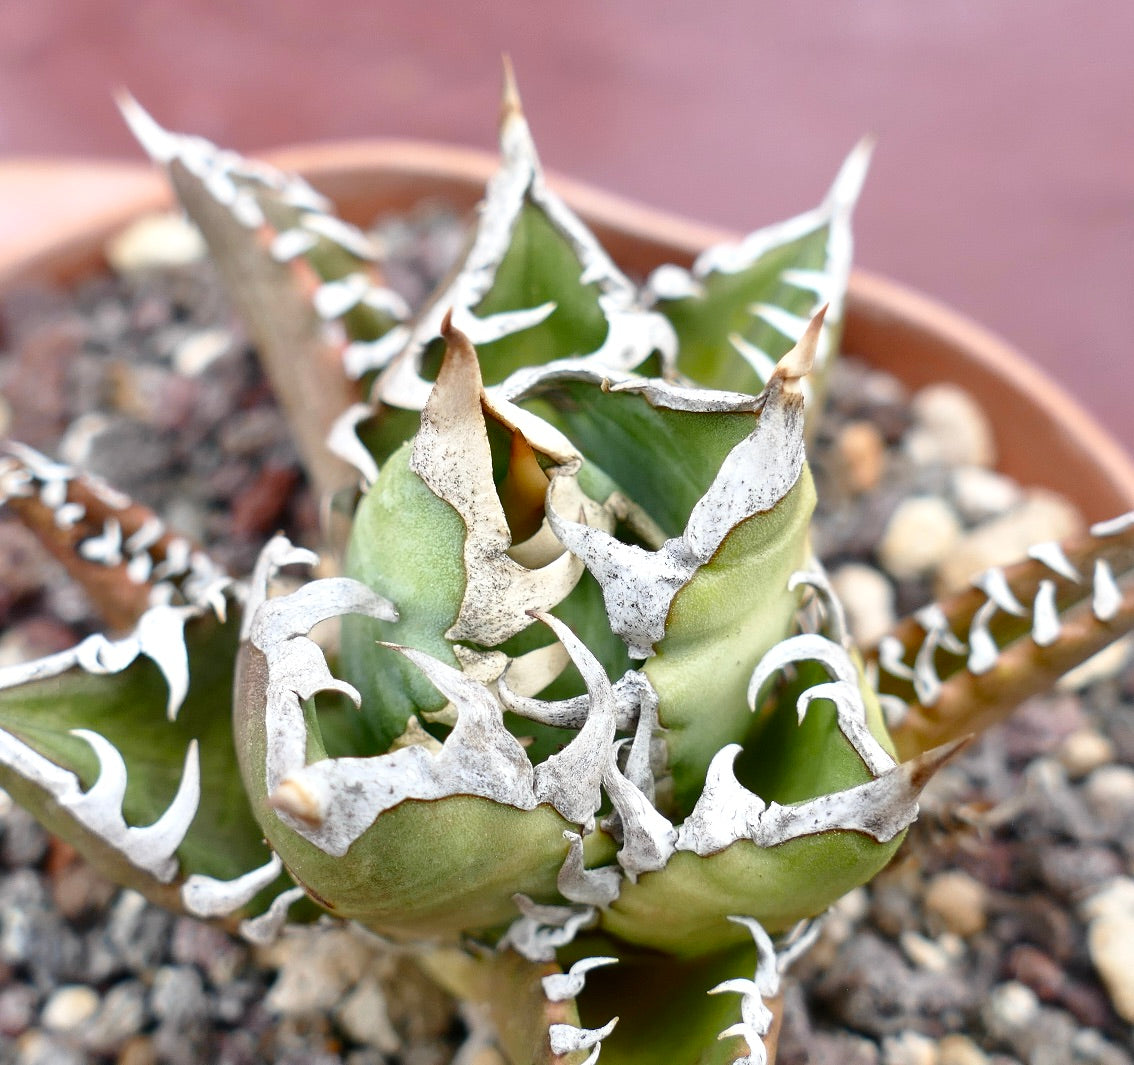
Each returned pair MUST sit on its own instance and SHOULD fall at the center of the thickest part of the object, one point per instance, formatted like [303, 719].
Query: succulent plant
[591, 737]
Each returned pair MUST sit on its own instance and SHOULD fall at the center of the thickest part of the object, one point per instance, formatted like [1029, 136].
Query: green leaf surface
[129, 710]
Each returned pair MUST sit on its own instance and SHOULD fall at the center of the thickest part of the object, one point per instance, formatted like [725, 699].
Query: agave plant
[590, 737]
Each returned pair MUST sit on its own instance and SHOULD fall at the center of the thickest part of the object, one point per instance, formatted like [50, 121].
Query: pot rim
[884, 320]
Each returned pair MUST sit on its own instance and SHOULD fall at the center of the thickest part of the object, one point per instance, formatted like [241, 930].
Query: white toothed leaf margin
[451, 455]
[829, 285]
[633, 333]
[206, 896]
[639, 586]
[541, 930]
[562, 987]
[756, 1017]
[267, 927]
[99, 809]
[333, 801]
[567, 1038]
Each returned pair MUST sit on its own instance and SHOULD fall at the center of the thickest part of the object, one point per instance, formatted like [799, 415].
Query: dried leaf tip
[459, 350]
[798, 362]
[160, 145]
[510, 106]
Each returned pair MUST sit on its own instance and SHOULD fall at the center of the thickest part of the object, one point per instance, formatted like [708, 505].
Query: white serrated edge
[451, 455]
[206, 896]
[633, 333]
[343, 440]
[563, 987]
[542, 929]
[265, 928]
[639, 586]
[588, 887]
[756, 1017]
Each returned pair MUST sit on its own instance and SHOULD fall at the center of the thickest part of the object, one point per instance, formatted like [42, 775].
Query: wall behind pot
[1003, 183]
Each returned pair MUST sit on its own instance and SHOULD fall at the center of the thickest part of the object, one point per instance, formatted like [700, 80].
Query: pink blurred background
[1003, 181]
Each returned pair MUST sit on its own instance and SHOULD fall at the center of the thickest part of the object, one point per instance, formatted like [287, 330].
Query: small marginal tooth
[148, 534]
[296, 799]
[562, 987]
[105, 548]
[292, 243]
[333, 299]
[818, 281]
[995, 585]
[348, 237]
[1051, 554]
[205, 896]
[1106, 597]
[1045, 615]
[138, 568]
[983, 651]
[588, 887]
[69, 515]
[566, 1038]
[891, 653]
[791, 325]
[266, 928]
[1114, 526]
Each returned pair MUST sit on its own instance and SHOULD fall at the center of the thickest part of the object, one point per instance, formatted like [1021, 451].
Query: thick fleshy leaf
[125, 702]
[763, 291]
[533, 288]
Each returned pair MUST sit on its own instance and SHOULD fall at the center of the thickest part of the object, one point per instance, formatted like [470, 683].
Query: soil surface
[982, 944]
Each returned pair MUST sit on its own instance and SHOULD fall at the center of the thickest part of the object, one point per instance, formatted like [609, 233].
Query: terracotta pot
[1043, 436]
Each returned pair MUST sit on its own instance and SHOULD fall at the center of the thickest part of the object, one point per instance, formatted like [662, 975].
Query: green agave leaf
[764, 290]
[129, 710]
[534, 286]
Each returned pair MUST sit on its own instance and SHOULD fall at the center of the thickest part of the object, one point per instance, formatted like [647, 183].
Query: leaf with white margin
[756, 1017]
[757, 473]
[713, 599]
[147, 798]
[763, 290]
[451, 454]
[301, 279]
[535, 285]
[353, 829]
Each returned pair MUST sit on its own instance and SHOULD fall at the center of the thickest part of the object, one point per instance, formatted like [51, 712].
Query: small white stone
[1114, 898]
[960, 1050]
[365, 1018]
[197, 352]
[950, 428]
[1041, 516]
[924, 952]
[909, 1048]
[1084, 751]
[959, 902]
[1011, 1007]
[68, 1007]
[1109, 792]
[981, 494]
[921, 534]
[165, 239]
[868, 598]
[862, 455]
[1110, 941]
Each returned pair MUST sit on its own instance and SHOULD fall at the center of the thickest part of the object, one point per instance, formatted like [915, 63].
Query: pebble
[1109, 792]
[868, 598]
[198, 351]
[861, 453]
[1042, 515]
[958, 901]
[922, 533]
[960, 1050]
[1010, 1008]
[909, 1048]
[121, 1016]
[365, 1019]
[68, 1007]
[1084, 751]
[1110, 941]
[950, 428]
[980, 494]
[154, 240]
